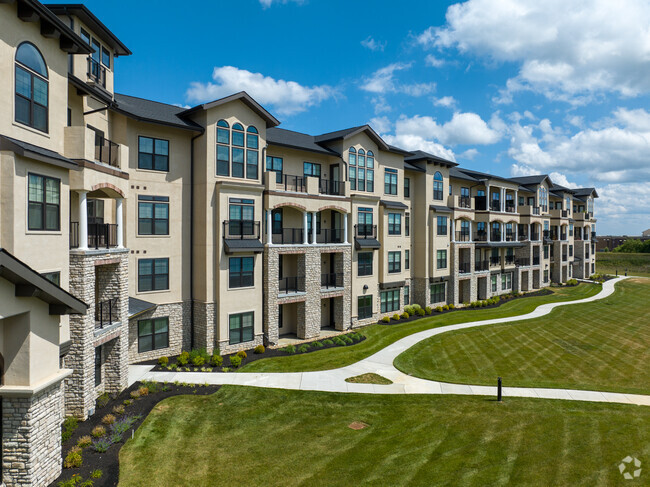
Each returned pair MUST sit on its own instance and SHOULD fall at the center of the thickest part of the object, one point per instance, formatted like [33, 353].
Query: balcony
[509, 260]
[328, 235]
[527, 210]
[462, 236]
[559, 213]
[331, 281]
[291, 285]
[593, 236]
[100, 235]
[312, 185]
[510, 207]
[536, 260]
[495, 236]
[583, 215]
[495, 205]
[522, 262]
[522, 237]
[288, 182]
[464, 202]
[510, 236]
[554, 235]
[480, 236]
[365, 231]
[96, 72]
[107, 152]
[464, 267]
[288, 236]
[106, 313]
[241, 230]
[480, 203]
[495, 261]
[482, 265]
[534, 236]
[332, 188]
[81, 142]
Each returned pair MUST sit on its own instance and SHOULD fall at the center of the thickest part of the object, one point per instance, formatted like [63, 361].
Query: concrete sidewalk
[382, 363]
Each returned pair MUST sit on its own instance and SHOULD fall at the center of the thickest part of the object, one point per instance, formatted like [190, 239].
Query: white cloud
[568, 51]
[267, 3]
[431, 60]
[381, 124]
[468, 154]
[561, 179]
[287, 97]
[372, 44]
[383, 81]
[445, 101]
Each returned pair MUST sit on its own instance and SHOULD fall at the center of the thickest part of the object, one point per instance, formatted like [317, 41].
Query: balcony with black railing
[291, 285]
[510, 207]
[481, 265]
[465, 202]
[464, 267]
[509, 260]
[241, 230]
[364, 230]
[288, 236]
[522, 262]
[106, 151]
[495, 260]
[534, 236]
[510, 236]
[495, 205]
[331, 281]
[96, 72]
[495, 236]
[462, 236]
[106, 313]
[480, 203]
[328, 235]
[564, 257]
[332, 188]
[480, 236]
[100, 235]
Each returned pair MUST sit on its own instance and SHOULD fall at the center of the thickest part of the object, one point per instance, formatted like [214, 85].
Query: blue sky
[513, 87]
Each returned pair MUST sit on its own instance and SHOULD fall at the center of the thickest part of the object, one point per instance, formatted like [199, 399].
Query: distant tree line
[634, 246]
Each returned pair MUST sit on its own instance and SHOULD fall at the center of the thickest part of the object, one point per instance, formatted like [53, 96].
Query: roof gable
[245, 98]
[350, 132]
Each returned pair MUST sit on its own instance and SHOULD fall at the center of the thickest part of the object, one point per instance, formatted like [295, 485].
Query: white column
[503, 232]
[516, 230]
[453, 229]
[119, 221]
[345, 228]
[470, 230]
[83, 221]
[269, 227]
[530, 231]
[488, 227]
[516, 202]
[305, 228]
[503, 199]
[313, 228]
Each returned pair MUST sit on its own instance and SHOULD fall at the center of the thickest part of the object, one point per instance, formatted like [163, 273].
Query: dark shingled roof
[36, 152]
[410, 167]
[342, 134]
[297, 140]
[440, 208]
[557, 187]
[397, 205]
[246, 99]
[531, 180]
[455, 172]
[585, 192]
[419, 155]
[484, 175]
[153, 111]
[139, 306]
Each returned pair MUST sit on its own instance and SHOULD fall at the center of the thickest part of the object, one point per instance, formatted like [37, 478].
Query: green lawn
[603, 345]
[610, 262]
[380, 336]
[254, 436]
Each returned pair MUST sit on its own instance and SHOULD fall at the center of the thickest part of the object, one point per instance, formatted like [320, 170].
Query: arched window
[31, 87]
[352, 160]
[237, 152]
[437, 186]
[252, 144]
[223, 148]
[496, 232]
[370, 173]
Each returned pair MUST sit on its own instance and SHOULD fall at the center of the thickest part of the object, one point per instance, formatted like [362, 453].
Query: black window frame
[407, 295]
[155, 157]
[390, 297]
[395, 227]
[223, 165]
[441, 259]
[407, 187]
[438, 186]
[241, 279]
[33, 104]
[390, 181]
[43, 205]
[98, 365]
[365, 263]
[153, 202]
[407, 224]
[152, 277]
[436, 295]
[442, 228]
[278, 172]
[54, 277]
[241, 327]
[407, 259]
[394, 266]
[153, 335]
[364, 307]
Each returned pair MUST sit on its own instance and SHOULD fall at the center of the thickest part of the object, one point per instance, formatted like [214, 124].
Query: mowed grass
[380, 336]
[603, 345]
[610, 262]
[254, 436]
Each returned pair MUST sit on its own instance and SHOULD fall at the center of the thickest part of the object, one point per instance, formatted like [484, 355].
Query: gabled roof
[456, 173]
[419, 155]
[37, 153]
[245, 98]
[93, 23]
[153, 111]
[585, 192]
[410, 167]
[296, 140]
[347, 133]
[30, 283]
[532, 180]
[558, 188]
[483, 175]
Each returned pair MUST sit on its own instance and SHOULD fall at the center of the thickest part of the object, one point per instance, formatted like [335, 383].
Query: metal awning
[367, 243]
[233, 245]
[440, 208]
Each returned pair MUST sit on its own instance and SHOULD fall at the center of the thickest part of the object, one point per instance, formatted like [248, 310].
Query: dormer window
[31, 88]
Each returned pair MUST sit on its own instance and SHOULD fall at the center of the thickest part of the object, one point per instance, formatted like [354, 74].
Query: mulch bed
[541, 292]
[252, 357]
[108, 462]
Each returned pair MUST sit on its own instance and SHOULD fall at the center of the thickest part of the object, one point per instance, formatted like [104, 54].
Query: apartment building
[132, 229]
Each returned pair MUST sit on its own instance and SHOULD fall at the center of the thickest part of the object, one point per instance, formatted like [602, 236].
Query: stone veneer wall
[179, 331]
[31, 438]
[205, 324]
[103, 274]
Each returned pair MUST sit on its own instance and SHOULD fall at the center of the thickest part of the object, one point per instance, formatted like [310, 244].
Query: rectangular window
[241, 272]
[44, 203]
[153, 154]
[441, 259]
[546, 251]
[493, 282]
[506, 281]
[311, 169]
[390, 181]
[275, 164]
[364, 307]
[407, 224]
[394, 224]
[237, 162]
[98, 365]
[53, 277]
[394, 262]
[438, 292]
[153, 215]
[153, 334]
[407, 295]
[407, 259]
[106, 57]
[353, 178]
[361, 179]
[241, 327]
[251, 164]
[364, 262]
[241, 214]
[442, 225]
[407, 187]
[153, 274]
[389, 301]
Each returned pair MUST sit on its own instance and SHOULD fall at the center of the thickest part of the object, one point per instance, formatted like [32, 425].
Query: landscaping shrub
[395, 317]
[438, 309]
[259, 349]
[173, 367]
[198, 361]
[69, 425]
[183, 359]
[151, 385]
[108, 419]
[338, 341]
[405, 316]
[420, 312]
[143, 391]
[119, 409]
[235, 361]
[163, 361]
[290, 349]
[572, 282]
[102, 400]
[225, 369]
[98, 431]
[385, 319]
[317, 345]
[84, 441]
[127, 402]
[347, 339]
[356, 336]
[101, 445]
[73, 458]
[445, 307]
[96, 474]
[409, 310]
[327, 341]
[451, 306]
[416, 307]
[216, 360]
[242, 354]
[303, 348]
[115, 438]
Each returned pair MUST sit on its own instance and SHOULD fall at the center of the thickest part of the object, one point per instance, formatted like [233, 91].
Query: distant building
[610, 242]
[646, 233]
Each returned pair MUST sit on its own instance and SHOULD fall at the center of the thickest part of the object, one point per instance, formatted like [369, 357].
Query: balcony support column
[345, 228]
[83, 220]
[470, 231]
[516, 202]
[313, 228]
[119, 222]
[269, 228]
[305, 232]
[503, 232]
[503, 199]
[453, 230]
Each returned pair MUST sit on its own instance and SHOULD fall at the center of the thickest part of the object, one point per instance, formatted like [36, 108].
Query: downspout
[192, 239]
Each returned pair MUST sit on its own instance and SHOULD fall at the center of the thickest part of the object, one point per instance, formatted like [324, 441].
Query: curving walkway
[382, 363]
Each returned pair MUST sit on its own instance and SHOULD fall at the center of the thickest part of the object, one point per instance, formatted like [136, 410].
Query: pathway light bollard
[499, 389]
[625, 272]
[616, 272]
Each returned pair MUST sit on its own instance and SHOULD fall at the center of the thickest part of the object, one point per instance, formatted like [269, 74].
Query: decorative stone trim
[108, 186]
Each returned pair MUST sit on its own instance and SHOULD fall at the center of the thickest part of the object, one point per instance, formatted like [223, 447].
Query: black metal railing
[332, 280]
[241, 229]
[480, 203]
[534, 236]
[535, 210]
[522, 237]
[536, 260]
[495, 236]
[329, 235]
[509, 259]
[481, 265]
[510, 237]
[292, 183]
[495, 260]
[334, 188]
[100, 235]
[547, 234]
[288, 236]
[462, 236]
[522, 262]
[593, 235]
[96, 72]
[563, 236]
[365, 230]
[106, 313]
[554, 235]
[464, 267]
[464, 202]
[106, 151]
[289, 285]
[480, 236]
[495, 205]
[510, 207]
[564, 257]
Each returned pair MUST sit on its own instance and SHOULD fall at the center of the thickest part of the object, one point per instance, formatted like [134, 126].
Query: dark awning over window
[139, 306]
[398, 205]
[367, 243]
[440, 208]
[499, 244]
[235, 245]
